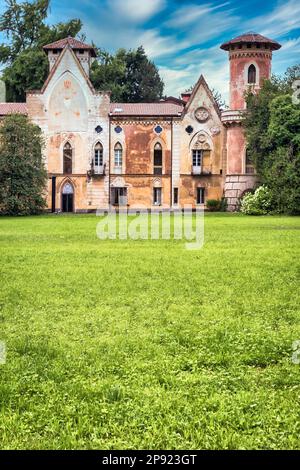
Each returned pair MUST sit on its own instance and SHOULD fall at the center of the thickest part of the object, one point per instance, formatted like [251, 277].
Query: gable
[67, 108]
[200, 101]
[68, 62]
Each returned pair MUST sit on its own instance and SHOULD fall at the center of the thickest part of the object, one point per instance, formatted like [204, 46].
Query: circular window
[118, 129]
[158, 129]
[201, 114]
[189, 129]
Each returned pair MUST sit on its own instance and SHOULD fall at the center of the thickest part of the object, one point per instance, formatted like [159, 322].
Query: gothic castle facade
[167, 154]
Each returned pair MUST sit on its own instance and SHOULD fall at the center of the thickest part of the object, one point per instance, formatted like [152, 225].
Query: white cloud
[156, 45]
[282, 20]
[180, 77]
[176, 80]
[287, 56]
[191, 13]
[200, 24]
[136, 10]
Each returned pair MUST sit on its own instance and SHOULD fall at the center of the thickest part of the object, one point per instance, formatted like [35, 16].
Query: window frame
[176, 199]
[118, 155]
[252, 74]
[157, 201]
[158, 168]
[200, 196]
[249, 167]
[67, 160]
[98, 156]
[197, 157]
[117, 193]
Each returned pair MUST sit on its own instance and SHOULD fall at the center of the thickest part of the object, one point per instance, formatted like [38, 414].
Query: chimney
[186, 96]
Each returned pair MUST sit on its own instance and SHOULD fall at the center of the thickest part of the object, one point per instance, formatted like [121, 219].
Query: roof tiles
[253, 38]
[146, 109]
[11, 108]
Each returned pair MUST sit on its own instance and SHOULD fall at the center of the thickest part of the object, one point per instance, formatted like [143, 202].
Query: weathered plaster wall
[240, 60]
[69, 110]
[138, 139]
[236, 148]
[188, 188]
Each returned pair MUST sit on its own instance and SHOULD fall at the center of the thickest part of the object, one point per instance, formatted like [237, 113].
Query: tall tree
[272, 127]
[23, 176]
[109, 73]
[130, 75]
[26, 32]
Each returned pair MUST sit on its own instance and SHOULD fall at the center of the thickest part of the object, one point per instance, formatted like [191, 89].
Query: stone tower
[250, 57]
[85, 53]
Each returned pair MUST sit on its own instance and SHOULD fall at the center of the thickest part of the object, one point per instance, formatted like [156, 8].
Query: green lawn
[143, 344]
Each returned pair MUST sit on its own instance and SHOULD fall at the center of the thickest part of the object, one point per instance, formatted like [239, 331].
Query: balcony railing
[96, 171]
[201, 170]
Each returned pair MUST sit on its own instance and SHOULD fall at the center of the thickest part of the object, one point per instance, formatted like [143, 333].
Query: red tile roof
[146, 109]
[72, 42]
[253, 38]
[11, 108]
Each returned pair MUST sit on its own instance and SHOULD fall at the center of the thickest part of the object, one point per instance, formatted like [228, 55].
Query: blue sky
[183, 37]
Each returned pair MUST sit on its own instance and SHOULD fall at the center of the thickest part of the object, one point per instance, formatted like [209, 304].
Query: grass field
[145, 345]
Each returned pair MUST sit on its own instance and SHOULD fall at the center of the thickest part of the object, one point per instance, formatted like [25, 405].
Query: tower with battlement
[250, 58]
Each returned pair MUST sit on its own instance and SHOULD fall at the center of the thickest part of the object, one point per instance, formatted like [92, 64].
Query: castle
[167, 154]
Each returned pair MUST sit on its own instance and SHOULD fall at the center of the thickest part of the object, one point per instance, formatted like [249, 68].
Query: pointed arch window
[98, 156]
[252, 74]
[118, 155]
[67, 158]
[158, 159]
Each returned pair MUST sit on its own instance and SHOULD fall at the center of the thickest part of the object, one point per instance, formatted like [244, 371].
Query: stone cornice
[232, 117]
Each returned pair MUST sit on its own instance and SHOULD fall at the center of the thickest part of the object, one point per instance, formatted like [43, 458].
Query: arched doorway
[68, 198]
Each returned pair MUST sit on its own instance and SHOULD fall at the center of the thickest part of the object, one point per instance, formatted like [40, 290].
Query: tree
[22, 24]
[272, 126]
[142, 78]
[23, 176]
[129, 75]
[26, 31]
[28, 72]
[221, 103]
[108, 73]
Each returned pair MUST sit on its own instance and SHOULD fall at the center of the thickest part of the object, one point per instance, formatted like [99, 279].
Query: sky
[183, 37]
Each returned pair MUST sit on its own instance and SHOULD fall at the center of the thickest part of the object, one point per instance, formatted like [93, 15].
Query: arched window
[158, 159]
[251, 74]
[98, 156]
[67, 158]
[118, 155]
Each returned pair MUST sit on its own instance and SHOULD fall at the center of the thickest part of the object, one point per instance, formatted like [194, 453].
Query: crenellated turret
[250, 57]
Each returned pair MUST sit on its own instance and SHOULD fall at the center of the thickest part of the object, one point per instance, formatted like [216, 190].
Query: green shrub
[213, 205]
[257, 203]
[223, 204]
